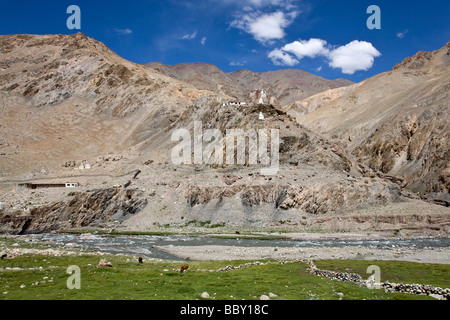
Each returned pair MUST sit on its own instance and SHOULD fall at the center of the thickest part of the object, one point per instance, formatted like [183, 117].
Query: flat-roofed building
[47, 185]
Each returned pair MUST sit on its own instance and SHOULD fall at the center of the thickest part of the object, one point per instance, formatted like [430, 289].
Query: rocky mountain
[70, 97]
[396, 123]
[71, 110]
[286, 85]
[202, 76]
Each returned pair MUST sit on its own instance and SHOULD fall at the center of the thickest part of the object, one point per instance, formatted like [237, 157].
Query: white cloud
[307, 48]
[203, 41]
[402, 34]
[123, 31]
[354, 56]
[189, 36]
[238, 63]
[265, 20]
[280, 58]
[258, 3]
[265, 27]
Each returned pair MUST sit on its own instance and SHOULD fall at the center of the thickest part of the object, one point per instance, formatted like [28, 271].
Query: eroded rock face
[314, 199]
[92, 209]
[416, 148]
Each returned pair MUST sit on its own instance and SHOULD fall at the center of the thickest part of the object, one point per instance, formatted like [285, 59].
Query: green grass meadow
[39, 277]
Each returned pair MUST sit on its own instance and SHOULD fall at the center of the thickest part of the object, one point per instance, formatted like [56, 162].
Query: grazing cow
[184, 268]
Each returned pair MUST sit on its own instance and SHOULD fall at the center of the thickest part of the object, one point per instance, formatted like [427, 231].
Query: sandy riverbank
[213, 252]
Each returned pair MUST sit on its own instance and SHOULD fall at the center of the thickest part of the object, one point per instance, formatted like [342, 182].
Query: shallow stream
[146, 245]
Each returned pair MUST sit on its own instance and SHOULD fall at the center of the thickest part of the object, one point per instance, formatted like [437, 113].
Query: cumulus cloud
[307, 48]
[265, 27]
[354, 56]
[265, 20]
[203, 41]
[280, 58]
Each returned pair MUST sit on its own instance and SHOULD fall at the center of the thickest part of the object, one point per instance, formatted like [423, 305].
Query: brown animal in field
[184, 268]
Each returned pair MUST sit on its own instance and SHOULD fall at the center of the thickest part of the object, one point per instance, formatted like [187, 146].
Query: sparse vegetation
[205, 224]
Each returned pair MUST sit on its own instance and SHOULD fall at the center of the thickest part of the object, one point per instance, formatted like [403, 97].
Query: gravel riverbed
[213, 252]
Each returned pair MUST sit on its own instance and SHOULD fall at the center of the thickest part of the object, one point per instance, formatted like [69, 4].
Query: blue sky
[329, 38]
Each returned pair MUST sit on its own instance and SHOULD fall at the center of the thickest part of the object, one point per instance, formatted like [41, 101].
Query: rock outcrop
[98, 208]
[314, 199]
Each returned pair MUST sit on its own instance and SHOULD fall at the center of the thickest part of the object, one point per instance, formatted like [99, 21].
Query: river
[147, 245]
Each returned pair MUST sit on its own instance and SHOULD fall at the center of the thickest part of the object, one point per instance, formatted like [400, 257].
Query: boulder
[104, 263]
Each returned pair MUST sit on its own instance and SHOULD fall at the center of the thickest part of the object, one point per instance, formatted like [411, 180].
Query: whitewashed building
[234, 103]
[259, 96]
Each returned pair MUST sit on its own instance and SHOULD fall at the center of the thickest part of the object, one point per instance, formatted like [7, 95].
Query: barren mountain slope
[396, 122]
[203, 76]
[68, 98]
[286, 85]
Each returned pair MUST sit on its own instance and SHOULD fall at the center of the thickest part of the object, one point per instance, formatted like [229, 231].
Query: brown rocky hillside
[66, 97]
[286, 85]
[71, 110]
[397, 122]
